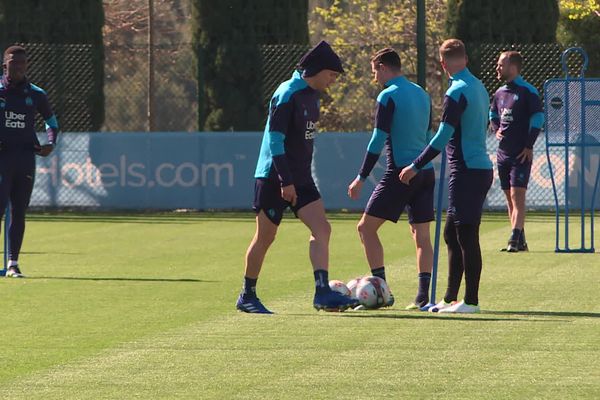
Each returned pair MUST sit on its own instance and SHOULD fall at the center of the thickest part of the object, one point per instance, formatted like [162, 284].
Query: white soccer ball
[352, 286]
[340, 287]
[372, 292]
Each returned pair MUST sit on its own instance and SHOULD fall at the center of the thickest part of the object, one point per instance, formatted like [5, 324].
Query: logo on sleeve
[14, 120]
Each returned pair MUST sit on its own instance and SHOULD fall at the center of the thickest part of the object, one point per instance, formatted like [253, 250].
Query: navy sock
[249, 289]
[321, 281]
[522, 237]
[379, 272]
[516, 234]
[423, 293]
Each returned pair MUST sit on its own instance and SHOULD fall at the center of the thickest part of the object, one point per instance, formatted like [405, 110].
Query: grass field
[124, 307]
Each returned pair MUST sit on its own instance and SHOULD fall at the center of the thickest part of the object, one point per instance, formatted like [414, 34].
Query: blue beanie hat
[319, 58]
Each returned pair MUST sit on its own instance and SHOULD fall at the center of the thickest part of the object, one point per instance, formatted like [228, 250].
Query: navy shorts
[267, 197]
[512, 173]
[467, 191]
[391, 196]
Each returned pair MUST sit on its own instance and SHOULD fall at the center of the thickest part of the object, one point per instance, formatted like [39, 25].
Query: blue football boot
[251, 305]
[333, 301]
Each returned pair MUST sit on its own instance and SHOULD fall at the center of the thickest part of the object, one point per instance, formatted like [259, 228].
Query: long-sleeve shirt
[286, 151]
[516, 110]
[463, 128]
[402, 125]
[19, 103]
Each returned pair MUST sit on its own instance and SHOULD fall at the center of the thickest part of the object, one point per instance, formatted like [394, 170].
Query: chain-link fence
[69, 74]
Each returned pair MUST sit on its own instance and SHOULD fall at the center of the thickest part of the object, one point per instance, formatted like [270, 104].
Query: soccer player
[516, 117]
[19, 101]
[463, 132]
[283, 178]
[402, 124]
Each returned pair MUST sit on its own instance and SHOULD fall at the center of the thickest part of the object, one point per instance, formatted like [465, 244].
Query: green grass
[141, 306]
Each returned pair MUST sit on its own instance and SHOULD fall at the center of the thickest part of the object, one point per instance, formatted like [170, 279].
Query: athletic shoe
[523, 247]
[251, 305]
[513, 246]
[14, 272]
[442, 305]
[333, 301]
[461, 308]
[416, 305]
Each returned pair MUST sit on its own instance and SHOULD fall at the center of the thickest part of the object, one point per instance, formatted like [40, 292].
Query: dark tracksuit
[463, 132]
[19, 103]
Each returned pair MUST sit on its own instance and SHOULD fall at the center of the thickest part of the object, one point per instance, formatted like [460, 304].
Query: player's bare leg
[367, 231]
[313, 216]
[517, 241]
[255, 255]
[262, 240]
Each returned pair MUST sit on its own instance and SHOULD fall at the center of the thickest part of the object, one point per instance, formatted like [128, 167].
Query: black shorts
[391, 196]
[513, 173]
[467, 191]
[267, 197]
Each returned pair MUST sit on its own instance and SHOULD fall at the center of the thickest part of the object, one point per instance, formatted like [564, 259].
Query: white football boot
[461, 308]
[442, 305]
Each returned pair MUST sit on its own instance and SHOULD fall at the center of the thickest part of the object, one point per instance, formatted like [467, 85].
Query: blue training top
[18, 104]
[463, 128]
[287, 146]
[402, 124]
[516, 110]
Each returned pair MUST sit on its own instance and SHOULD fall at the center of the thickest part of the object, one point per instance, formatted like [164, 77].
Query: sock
[522, 237]
[379, 272]
[516, 234]
[12, 263]
[321, 281]
[423, 293]
[249, 289]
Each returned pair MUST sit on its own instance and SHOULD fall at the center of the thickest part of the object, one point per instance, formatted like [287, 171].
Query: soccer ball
[372, 292]
[352, 286]
[340, 287]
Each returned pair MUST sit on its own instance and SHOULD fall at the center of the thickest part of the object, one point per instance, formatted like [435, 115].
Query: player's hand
[289, 194]
[43, 150]
[407, 174]
[525, 156]
[354, 189]
[499, 134]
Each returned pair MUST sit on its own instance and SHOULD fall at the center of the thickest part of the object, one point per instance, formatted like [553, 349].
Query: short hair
[388, 57]
[14, 49]
[514, 58]
[452, 48]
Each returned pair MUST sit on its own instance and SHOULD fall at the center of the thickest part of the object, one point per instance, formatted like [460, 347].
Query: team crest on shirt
[2, 102]
[28, 101]
[515, 97]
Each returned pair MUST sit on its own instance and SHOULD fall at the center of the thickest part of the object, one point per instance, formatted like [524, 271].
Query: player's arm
[454, 105]
[384, 114]
[43, 107]
[453, 109]
[280, 116]
[536, 118]
[494, 116]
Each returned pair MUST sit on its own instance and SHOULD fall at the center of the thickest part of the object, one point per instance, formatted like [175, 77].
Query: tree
[61, 22]
[227, 36]
[357, 29]
[580, 24]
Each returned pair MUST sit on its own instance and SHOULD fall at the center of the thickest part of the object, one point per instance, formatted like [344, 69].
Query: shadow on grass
[547, 313]
[390, 314]
[167, 280]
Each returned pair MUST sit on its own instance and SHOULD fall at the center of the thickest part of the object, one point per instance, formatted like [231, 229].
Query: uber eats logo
[14, 120]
